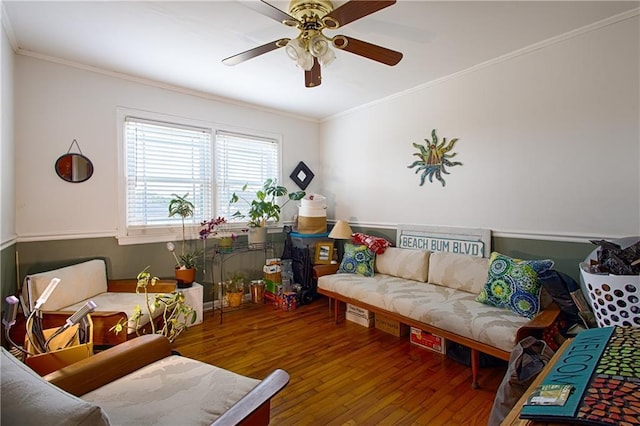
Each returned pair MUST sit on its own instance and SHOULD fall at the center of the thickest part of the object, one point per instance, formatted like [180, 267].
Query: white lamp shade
[296, 51]
[305, 61]
[327, 58]
[341, 231]
[318, 46]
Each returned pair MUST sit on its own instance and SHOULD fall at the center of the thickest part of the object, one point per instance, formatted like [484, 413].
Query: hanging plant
[434, 158]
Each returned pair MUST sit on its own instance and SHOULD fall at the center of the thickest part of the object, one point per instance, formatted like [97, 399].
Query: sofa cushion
[357, 259]
[514, 284]
[27, 399]
[77, 282]
[202, 391]
[458, 271]
[404, 263]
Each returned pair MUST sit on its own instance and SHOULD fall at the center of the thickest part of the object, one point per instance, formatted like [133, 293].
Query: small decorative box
[288, 301]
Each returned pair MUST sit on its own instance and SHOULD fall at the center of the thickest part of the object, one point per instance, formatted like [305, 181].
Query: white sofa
[138, 382]
[86, 281]
[437, 293]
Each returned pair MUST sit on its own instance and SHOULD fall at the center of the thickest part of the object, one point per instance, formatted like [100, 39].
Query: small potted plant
[186, 262]
[234, 289]
[176, 314]
[263, 207]
[218, 228]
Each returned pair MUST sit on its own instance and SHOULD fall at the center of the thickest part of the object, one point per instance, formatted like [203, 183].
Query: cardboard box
[62, 356]
[272, 275]
[273, 286]
[391, 326]
[365, 322]
[359, 312]
[427, 340]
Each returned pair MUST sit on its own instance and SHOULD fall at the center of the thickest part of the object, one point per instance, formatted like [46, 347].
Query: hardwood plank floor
[342, 374]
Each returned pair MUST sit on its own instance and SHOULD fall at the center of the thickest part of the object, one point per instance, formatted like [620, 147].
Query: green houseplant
[176, 314]
[263, 206]
[186, 262]
[234, 288]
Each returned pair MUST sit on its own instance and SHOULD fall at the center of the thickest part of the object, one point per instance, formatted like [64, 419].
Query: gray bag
[527, 361]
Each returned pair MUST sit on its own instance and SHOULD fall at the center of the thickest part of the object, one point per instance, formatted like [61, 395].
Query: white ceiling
[182, 43]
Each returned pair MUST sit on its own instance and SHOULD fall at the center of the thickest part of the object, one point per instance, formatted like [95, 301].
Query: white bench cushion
[77, 282]
[202, 391]
[119, 302]
[446, 308]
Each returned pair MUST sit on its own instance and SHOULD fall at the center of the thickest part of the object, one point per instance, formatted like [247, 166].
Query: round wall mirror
[74, 168]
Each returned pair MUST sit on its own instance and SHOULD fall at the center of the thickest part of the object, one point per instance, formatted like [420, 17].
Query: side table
[194, 297]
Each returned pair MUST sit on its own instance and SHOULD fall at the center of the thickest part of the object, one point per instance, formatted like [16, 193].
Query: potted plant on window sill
[185, 269]
[263, 207]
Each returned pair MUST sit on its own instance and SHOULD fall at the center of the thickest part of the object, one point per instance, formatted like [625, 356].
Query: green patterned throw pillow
[514, 284]
[357, 259]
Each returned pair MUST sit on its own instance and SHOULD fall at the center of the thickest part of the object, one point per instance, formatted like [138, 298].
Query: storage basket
[614, 299]
[312, 225]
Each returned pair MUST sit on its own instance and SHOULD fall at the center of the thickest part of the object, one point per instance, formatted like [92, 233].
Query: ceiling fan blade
[353, 10]
[312, 78]
[256, 51]
[270, 11]
[367, 50]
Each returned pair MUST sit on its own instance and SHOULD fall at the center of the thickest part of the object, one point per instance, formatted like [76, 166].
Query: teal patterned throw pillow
[514, 284]
[357, 260]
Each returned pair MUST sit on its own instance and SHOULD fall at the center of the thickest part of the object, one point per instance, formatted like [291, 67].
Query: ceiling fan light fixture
[299, 54]
[295, 49]
[305, 61]
[327, 58]
[318, 45]
[311, 49]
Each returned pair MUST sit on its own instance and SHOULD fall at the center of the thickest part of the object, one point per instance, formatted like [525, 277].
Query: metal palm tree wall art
[434, 157]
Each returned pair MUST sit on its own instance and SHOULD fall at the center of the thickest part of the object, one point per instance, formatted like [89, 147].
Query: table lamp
[341, 231]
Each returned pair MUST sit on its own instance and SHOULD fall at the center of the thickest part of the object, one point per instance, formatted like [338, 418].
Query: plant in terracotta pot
[234, 288]
[263, 207]
[186, 261]
[176, 314]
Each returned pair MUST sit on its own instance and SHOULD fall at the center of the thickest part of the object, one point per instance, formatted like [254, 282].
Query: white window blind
[164, 159]
[242, 159]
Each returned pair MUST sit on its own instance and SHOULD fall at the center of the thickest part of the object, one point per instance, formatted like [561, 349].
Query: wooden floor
[342, 374]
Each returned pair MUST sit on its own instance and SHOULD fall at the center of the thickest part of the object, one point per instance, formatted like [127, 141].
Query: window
[242, 159]
[162, 159]
[162, 155]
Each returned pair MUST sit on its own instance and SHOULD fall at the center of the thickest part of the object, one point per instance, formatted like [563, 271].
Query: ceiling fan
[310, 49]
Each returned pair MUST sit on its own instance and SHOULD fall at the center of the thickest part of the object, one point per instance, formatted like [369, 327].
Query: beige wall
[549, 140]
[56, 104]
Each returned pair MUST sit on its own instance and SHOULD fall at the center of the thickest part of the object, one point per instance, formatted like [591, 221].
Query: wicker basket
[615, 299]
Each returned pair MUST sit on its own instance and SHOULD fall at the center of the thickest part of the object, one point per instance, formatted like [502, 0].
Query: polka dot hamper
[614, 299]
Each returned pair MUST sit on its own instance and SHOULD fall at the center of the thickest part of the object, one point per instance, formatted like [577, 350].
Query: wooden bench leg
[475, 364]
[336, 310]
